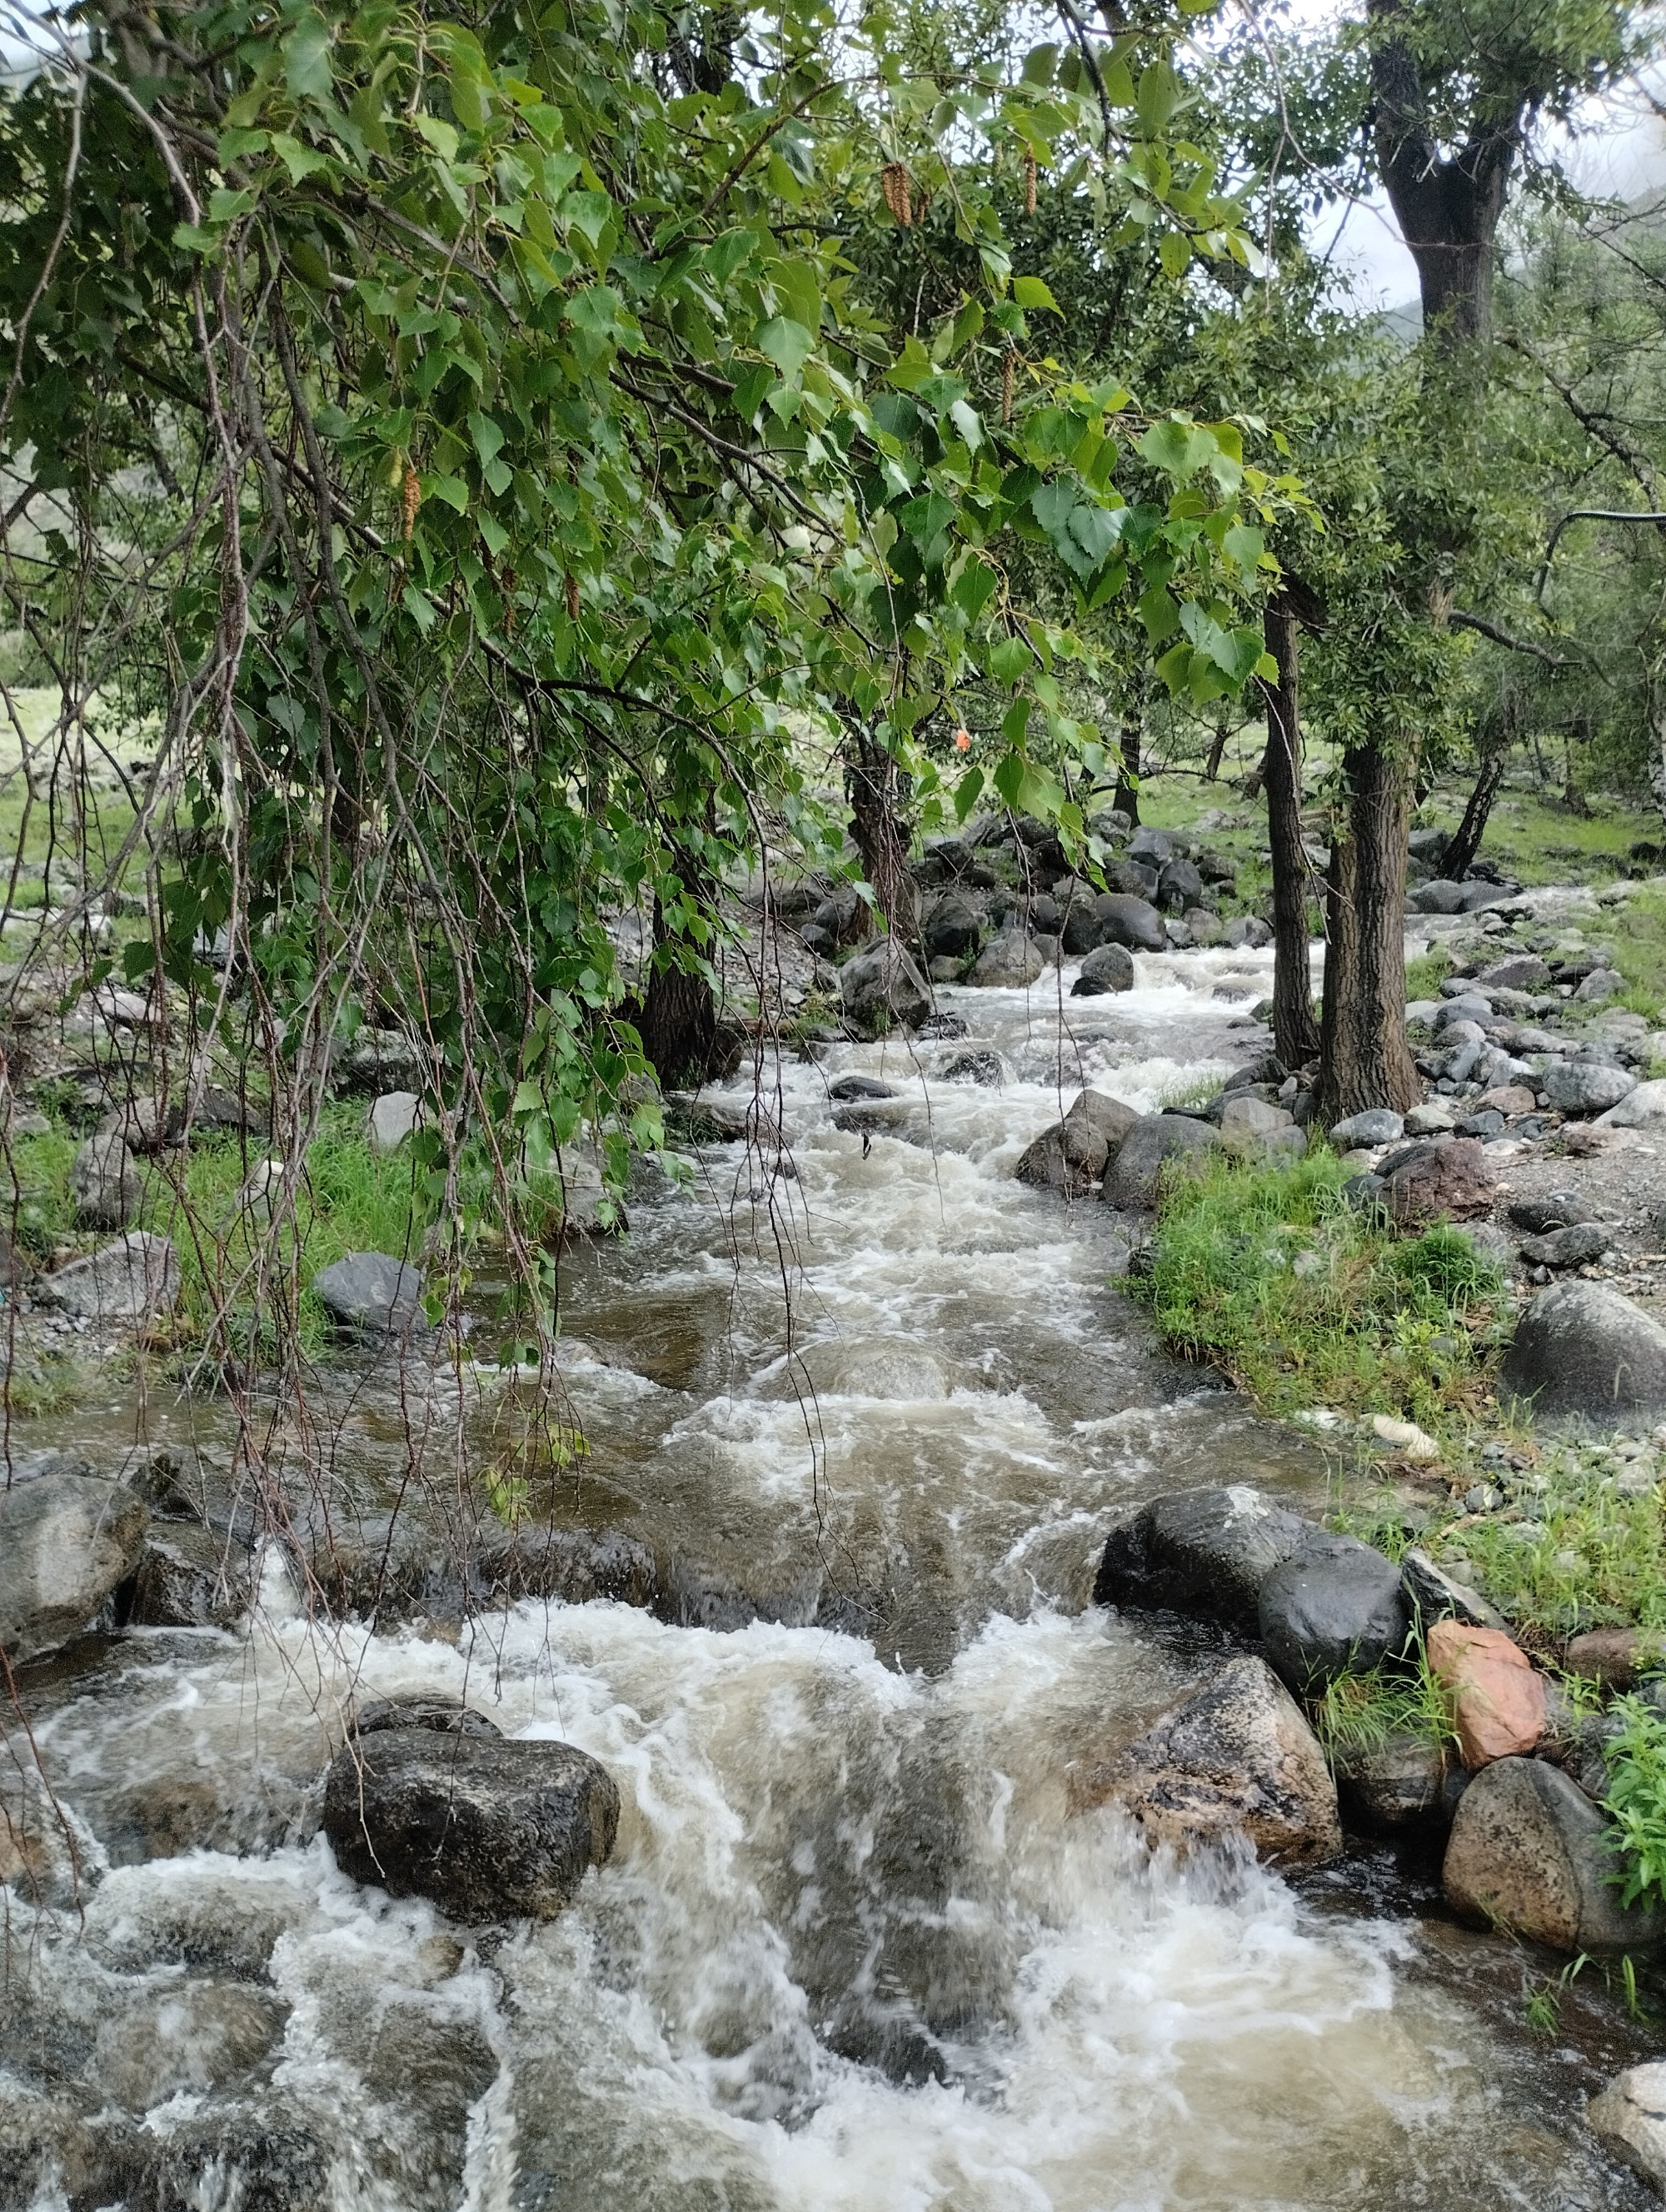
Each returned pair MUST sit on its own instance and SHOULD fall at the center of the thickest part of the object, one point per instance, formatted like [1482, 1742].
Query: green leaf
[788, 344]
[1032, 292]
[300, 160]
[1039, 64]
[1179, 448]
[1010, 659]
[307, 58]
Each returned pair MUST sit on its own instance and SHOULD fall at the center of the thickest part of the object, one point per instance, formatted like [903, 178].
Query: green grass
[1361, 1713]
[1271, 1275]
[1637, 1800]
[1426, 975]
[1639, 953]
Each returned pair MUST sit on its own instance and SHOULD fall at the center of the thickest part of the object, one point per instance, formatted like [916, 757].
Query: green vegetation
[1569, 1551]
[1360, 1713]
[1637, 1799]
[1305, 1302]
[1426, 975]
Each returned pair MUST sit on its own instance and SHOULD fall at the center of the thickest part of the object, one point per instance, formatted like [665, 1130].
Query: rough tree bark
[872, 781]
[1295, 1033]
[1127, 773]
[677, 1017]
[1495, 734]
[1366, 1059]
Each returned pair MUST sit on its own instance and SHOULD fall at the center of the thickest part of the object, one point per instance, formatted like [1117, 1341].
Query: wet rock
[1072, 1157]
[1637, 1110]
[1530, 1854]
[1080, 932]
[1251, 1127]
[1405, 1783]
[1246, 931]
[1130, 921]
[1202, 1551]
[1442, 1183]
[1378, 1125]
[847, 1089]
[1522, 971]
[882, 989]
[485, 1828]
[1582, 1087]
[1573, 1247]
[1584, 1756]
[1497, 1697]
[372, 1294]
[1438, 898]
[1615, 1656]
[983, 1067]
[1581, 1349]
[1158, 1145]
[577, 1566]
[189, 1577]
[132, 1281]
[1433, 1594]
[1012, 963]
[392, 1119]
[1179, 885]
[1334, 1606]
[1108, 967]
[106, 1187]
[421, 1709]
[952, 928]
[1236, 1760]
[1562, 1209]
[1630, 2118]
[66, 1543]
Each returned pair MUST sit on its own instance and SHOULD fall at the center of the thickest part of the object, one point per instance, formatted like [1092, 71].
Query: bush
[1636, 1799]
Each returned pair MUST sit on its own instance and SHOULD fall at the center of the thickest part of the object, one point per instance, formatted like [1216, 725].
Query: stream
[855, 1951]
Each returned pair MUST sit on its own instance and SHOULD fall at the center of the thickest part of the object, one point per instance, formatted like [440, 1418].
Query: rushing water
[855, 1953]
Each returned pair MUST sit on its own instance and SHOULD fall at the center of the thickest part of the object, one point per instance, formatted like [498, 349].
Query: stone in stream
[1406, 1782]
[66, 1543]
[392, 1119]
[1158, 1145]
[190, 1577]
[1237, 1760]
[1246, 931]
[1630, 2118]
[1584, 1086]
[372, 1294]
[1010, 962]
[847, 1088]
[1202, 1551]
[983, 1067]
[134, 1280]
[1582, 1350]
[1576, 1246]
[882, 989]
[1496, 1695]
[1108, 967]
[486, 1827]
[1133, 922]
[1334, 1606]
[1531, 1855]
[106, 1187]
[952, 928]
[1377, 1125]
[1071, 1157]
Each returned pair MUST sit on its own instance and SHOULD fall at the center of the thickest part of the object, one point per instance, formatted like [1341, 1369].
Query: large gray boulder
[1157, 1144]
[1131, 921]
[1582, 1351]
[132, 1281]
[371, 1294]
[106, 1187]
[392, 1119]
[1108, 967]
[1237, 1760]
[1584, 1086]
[1012, 962]
[66, 1542]
[882, 989]
[1202, 1552]
[1529, 1853]
[952, 927]
[1072, 1156]
[1334, 1606]
[1639, 1109]
[485, 1827]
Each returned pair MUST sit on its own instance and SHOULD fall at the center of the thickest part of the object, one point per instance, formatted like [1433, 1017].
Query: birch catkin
[895, 183]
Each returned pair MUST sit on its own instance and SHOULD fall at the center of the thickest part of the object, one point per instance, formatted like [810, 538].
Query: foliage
[1360, 1713]
[1270, 1273]
[1637, 1799]
[1568, 1552]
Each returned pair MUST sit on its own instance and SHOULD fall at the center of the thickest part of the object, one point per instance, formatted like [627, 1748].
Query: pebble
[1405, 1437]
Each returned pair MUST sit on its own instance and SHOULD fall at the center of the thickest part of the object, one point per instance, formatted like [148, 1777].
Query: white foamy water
[855, 1952]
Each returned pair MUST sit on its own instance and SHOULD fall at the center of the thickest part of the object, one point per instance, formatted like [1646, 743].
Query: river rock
[189, 1577]
[371, 1294]
[1080, 932]
[66, 1543]
[1433, 1594]
[1202, 1551]
[1404, 1783]
[1520, 971]
[1377, 1125]
[1602, 983]
[1237, 1759]
[882, 988]
[485, 1827]
[106, 1188]
[1530, 1854]
[1072, 1156]
[1467, 1008]
[952, 928]
[1012, 962]
[1133, 922]
[1443, 1182]
[1615, 1656]
[392, 1119]
[1575, 1246]
[1581, 1087]
[1561, 1209]
[1637, 1110]
[1582, 1350]
[1630, 2118]
[1253, 1127]
[1179, 886]
[1108, 967]
[1334, 1606]
[1583, 1756]
[1157, 1144]
[1246, 933]
[983, 1067]
[1497, 1697]
[848, 1090]
[132, 1281]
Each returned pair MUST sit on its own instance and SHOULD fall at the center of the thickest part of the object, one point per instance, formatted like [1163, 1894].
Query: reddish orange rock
[1498, 1701]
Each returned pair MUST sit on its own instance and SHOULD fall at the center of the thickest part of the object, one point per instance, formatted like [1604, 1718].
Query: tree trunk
[1128, 775]
[1364, 1058]
[1217, 752]
[1295, 1033]
[1493, 740]
[876, 825]
[677, 1017]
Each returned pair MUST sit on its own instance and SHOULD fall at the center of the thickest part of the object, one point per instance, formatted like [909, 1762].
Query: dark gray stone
[952, 928]
[1156, 847]
[1156, 1144]
[1080, 932]
[1246, 931]
[190, 1577]
[1438, 898]
[105, 1187]
[882, 989]
[1179, 886]
[846, 1088]
[1335, 1607]
[1012, 962]
[66, 1542]
[1402, 1784]
[1072, 1156]
[1110, 968]
[485, 1827]
[1575, 1246]
[1204, 1551]
[1433, 1594]
[983, 1067]
[1377, 1125]
[1581, 1349]
[1131, 921]
[1584, 1086]
[371, 1294]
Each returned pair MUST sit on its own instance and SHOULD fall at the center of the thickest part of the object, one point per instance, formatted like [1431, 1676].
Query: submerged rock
[1581, 1349]
[1201, 1552]
[66, 1543]
[486, 1827]
[1530, 1854]
[1236, 1760]
[1406, 1782]
[1334, 1606]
